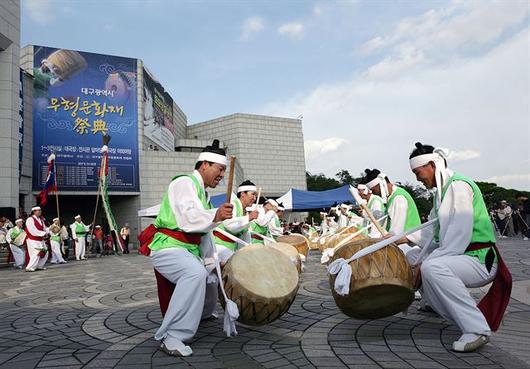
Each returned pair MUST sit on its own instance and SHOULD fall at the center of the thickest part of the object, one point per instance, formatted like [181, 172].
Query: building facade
[269, 150]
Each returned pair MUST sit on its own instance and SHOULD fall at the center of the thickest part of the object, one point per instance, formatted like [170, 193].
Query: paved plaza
[102, 313]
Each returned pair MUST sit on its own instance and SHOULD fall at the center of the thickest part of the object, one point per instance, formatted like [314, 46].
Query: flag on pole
[51, 181]
[103, 177]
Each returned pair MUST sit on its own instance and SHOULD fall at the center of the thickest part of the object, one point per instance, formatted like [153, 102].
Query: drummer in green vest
[260, 225]
[401, 208]
[238, 225]
[458, 253]
[18, 251]
[182, 247]
[275, 226]
[375, 204]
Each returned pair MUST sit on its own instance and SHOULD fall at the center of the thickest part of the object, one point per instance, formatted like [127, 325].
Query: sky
[369, 78]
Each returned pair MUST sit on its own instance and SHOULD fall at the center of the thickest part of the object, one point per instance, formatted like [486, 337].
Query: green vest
[80, 229]
[376, 199]
[166, 219]
[256, 228]
[232, 245]
[482, 227]
[413, 217]
[15, 233]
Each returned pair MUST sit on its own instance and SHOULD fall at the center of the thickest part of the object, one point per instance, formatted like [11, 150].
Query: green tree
[319, 182]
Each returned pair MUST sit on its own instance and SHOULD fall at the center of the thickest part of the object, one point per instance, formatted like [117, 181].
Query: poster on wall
[158, 114]
[78, 97]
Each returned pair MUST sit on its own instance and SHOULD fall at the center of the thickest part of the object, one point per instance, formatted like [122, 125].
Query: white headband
[19, 220]
[54, 219]
[281, 208]
[438, 157]
[35, 208]
[379, 180]
[213, 157]
[363, 189]
[77, 216]
[247, 188]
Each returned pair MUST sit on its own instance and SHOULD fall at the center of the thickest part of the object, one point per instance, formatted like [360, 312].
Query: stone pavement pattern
[102, 313]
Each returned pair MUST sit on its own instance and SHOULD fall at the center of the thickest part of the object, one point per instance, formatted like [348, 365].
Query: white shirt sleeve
[30, 225]
[236, 224]
[8, 235]
[188, 210]
[455, 217]
[397, 213]
[273, 229]
[72, 228]
[263, 218]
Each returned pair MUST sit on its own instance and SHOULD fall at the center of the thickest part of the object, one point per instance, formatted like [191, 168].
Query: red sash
[222, 237]
[256, 237]
[39, 225]
[494, 303]
[147, 235]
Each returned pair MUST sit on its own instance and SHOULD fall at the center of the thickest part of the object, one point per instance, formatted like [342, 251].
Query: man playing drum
[18, 250]
[463, 252]
[36, 234]
[375, 204]
[260, 225]
[239, 223]
[275, 226]
[402, 212]
[55, 242]
[182, 245]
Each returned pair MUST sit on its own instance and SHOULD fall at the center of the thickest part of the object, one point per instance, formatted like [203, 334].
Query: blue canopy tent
[299, 200]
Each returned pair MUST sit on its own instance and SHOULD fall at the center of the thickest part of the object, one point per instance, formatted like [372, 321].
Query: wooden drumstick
[257, 198]
[367, 211]
[230, 179]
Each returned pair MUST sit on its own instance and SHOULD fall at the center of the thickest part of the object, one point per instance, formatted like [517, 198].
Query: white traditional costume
[55, 243]
[79, 231]
[462, 255]
[18, 251]
[35, 232]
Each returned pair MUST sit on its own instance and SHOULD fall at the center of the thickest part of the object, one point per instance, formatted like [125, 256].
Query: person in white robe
[260, 225]
[275, 226]
[182, 249]
[239, 224]
[55, 243]
[79, 231]
[376, 205]
[459, 253]
[18, 251]
[36, 234]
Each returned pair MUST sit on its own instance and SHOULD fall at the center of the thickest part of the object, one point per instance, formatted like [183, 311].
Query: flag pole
[56, 191]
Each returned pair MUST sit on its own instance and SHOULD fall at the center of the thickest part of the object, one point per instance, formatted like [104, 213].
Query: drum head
[292, 239]
[285, 248]
[263, 271]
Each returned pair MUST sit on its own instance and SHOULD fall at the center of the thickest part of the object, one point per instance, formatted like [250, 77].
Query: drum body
[298, 241]
[381, 283]
[20, 239]
[262, 281]
[291, 252]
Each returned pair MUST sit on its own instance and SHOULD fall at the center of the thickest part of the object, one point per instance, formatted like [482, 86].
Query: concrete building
[9, 106]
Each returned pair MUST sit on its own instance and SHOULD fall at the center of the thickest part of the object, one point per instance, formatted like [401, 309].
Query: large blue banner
[77, 97]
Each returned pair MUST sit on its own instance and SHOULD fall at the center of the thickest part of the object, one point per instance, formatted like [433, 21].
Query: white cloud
[251, 26]
[463, 155]
[314, 148]
[510, 180]
[39, 11]
[293, 30]
[414, 94]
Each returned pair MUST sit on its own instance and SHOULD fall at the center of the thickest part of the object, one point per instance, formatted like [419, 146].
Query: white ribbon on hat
[380, 180]
[363, 189]
[212, 157]
[438, 157]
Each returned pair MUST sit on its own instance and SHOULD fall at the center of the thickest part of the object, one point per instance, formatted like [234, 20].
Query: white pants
[192, 298]
[57, 257]
[445, 281]
[34, 248]
[19, 254]
[80, 247]
[224, 253]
